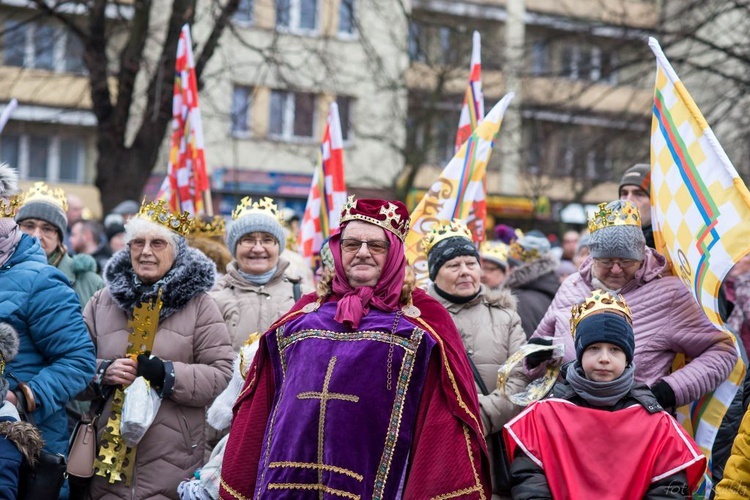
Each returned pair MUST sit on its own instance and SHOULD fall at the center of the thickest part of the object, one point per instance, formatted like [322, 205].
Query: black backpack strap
[297, 290]
[478, 377]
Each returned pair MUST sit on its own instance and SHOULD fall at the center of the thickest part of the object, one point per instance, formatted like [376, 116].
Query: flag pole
[207, 201]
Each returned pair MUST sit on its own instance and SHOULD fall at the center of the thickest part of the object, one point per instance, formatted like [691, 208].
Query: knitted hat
[8, 200]
[637, 175]
[506, 234]
[127, 207]
[448, 249]
[528, 248]
[608, 327]
[114, 229]
[262, 216]
[619, 241]
[495, 252]
[43, 203]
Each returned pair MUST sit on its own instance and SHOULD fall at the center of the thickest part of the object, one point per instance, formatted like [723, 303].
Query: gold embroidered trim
[394, 424]
[458, 493]
[236, 494]
[477, 483]
[319, 487]
[329, 468]
[284, 343]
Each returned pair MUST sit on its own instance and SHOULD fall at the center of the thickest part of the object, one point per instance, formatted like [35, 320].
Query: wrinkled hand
[122, 371]
[537, 358]
[152, 369]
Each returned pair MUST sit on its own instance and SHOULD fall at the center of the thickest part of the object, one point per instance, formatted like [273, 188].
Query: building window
[345, 105]
[580, 62]
[292, 115]
[241, 101]
[48, 158]
[416, 43]
[297, 14]
[42, 46]
[540, 58]
[244, 12]
[346, 17]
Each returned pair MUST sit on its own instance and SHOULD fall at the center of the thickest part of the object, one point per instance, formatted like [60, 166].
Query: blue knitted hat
[608, 327]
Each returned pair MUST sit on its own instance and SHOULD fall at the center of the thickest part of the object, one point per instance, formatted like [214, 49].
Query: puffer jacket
[666, 320]
[534, 285]
[490, 331]
[736, 482]
[55, 357]
[193, 342]
[81, 272]
[248, 308]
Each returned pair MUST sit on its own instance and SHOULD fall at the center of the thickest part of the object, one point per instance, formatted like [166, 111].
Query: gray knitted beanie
[251, 223]
[46, 211]
[618, 242]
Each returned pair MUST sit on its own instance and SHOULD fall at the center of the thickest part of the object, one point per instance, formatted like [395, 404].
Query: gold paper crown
[496, 250]
[264, 206]
[392, 222]
[443, 231]
[516, 251]
[599, 301]
[627, 215]
[216, 227]
[159, 213]
[42, 192]
[9, 207]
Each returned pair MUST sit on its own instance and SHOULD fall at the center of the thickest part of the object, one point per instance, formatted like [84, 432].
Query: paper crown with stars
[443, 231]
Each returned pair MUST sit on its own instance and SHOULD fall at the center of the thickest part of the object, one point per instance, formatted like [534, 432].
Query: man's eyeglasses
[250, 241]
[29, 227]
[139, 244]
[376, 247]
[609, 263]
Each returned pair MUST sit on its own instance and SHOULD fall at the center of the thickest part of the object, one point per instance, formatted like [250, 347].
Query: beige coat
[195, 340]
[249, 308]
[491, 331]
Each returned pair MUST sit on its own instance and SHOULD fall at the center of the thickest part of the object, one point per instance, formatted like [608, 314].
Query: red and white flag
[187, 181]
[327, 193]
[472, 112]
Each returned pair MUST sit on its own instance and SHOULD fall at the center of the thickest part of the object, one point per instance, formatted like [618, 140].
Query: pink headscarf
[355, 302]
[10, 235]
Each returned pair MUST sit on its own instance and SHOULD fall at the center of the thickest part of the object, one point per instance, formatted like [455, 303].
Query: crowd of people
[354, 382]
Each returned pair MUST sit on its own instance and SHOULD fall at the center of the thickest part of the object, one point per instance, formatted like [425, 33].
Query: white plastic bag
[138, 410]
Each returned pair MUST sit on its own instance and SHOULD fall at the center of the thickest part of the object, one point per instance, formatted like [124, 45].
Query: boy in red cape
[363, 391]
[599, 434]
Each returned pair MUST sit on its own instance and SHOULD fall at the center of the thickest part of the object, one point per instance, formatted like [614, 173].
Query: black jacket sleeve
[671, 487]
[527, 479]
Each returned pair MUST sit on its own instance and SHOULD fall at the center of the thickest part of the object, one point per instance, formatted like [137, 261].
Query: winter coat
[81, 272]
[193, 342]
[248, 308]
[736, 482]
[666, 320]
[490, 331]
[18, 441]
[56, 357]
[739, 320]
[534, 285]
[529, 481]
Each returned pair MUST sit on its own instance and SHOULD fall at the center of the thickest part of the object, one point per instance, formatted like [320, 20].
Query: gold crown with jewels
[158, 212]
[516, 251]
[494, 250]
[43, 193]
[393, 221]
[443, 231]
[9, 206]
[599, 301]
[215, 227]
[264, 206]
[626, 215]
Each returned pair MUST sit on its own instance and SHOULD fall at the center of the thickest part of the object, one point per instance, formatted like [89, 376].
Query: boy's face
[603, 362]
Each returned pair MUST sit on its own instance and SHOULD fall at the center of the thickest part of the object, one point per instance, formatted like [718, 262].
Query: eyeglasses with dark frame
[375, 247]
[29, 227]
[139, 244]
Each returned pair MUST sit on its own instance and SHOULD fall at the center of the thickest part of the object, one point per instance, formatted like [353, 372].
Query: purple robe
[336, 427]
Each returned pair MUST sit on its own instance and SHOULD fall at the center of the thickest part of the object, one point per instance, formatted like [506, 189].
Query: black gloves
[537, 358]
[152, 369]
[664, 394]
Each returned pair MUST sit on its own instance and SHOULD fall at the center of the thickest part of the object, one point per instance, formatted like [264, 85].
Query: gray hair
[137, 227]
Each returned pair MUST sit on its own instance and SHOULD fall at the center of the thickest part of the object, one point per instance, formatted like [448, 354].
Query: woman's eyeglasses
[249, 241]
[139, 244]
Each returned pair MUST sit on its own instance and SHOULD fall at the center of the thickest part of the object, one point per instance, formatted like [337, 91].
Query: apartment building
[583, 79]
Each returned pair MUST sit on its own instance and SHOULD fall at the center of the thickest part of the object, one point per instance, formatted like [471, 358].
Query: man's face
[79, 238]
[75, 209]
[615, 273]
[570, 244]
[364, 263]
[640, 199]
[45, 232]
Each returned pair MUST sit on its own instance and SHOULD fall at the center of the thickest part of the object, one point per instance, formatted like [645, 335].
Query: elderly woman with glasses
[185, 355]
[666, 319]
[259, 286]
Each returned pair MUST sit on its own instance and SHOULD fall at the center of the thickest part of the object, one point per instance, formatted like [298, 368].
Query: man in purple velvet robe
[361, 392]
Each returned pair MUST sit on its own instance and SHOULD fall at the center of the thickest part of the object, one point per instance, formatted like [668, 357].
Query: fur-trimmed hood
[8, 342]
[25, 436]
[539, 274]
[192, 273]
